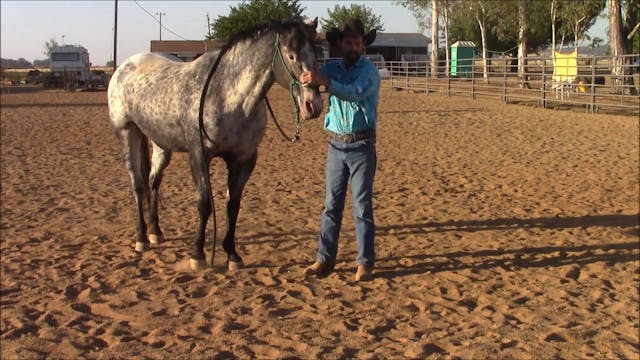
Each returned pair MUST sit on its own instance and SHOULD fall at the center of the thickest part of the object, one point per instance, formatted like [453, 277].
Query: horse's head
[297, 54]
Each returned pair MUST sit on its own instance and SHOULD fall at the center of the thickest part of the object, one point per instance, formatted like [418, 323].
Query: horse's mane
[254, 31]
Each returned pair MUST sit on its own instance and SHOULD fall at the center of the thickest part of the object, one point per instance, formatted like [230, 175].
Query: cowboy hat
[352, 26]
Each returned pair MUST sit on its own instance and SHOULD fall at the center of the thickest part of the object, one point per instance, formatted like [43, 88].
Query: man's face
[352, 46]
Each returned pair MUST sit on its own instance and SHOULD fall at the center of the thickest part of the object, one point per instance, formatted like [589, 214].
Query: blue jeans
[356, 162]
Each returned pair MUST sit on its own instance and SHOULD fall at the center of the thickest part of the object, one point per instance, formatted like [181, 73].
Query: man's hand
[313, 78]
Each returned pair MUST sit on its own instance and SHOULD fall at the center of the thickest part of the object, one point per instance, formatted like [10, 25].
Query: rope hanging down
[203, 132]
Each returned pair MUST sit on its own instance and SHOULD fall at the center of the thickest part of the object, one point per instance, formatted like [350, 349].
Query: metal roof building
[186, 50]
[392, 46]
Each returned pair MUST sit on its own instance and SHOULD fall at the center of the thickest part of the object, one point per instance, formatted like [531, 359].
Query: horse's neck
[246, 74]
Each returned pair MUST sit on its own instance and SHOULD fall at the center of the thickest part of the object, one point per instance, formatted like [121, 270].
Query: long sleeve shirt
[353, 96]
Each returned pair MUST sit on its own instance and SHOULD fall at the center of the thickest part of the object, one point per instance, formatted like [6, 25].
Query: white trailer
[70, 67]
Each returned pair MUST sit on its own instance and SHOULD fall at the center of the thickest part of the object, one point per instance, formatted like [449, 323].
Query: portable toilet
[462, 55]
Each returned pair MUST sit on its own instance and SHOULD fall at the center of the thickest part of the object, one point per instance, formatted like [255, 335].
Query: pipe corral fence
[581, 82]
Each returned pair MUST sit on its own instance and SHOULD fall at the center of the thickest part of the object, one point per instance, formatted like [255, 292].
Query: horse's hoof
[141, 246]
[156, 238]
[235, 265]
[197, 265]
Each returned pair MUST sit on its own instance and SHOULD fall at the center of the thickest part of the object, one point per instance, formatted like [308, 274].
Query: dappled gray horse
[154, 99]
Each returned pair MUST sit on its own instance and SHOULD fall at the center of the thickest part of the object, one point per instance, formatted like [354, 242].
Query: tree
[49, 45]
[479, 10]
[596, 42]
[44, 63]
[501, 24]
[251, 13]
[434, 38]
[21, 63]
[109, 63]
[621, 24]
[341, 13]
[420, 10]
[523, 28]
[577, 16]
[446, 10]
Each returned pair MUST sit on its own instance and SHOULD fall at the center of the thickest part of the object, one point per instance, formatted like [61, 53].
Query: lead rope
[203, 132]
[205, 164]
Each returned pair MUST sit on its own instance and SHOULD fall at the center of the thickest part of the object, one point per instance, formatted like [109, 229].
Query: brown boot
[319, 269]
[364, 273]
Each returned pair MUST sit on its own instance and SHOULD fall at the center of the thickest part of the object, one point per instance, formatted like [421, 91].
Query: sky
[26, 25]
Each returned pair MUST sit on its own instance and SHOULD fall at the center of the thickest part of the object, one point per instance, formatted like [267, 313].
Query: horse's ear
[310, 29]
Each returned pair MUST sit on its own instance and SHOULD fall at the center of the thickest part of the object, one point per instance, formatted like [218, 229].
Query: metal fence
[586, 82]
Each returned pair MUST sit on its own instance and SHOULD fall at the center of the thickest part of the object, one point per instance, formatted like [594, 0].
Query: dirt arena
[502, 231]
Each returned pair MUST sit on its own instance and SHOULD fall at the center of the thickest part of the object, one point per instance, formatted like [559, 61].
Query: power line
[158, 21]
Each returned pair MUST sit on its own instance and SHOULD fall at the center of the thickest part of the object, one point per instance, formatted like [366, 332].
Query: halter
[294, 82]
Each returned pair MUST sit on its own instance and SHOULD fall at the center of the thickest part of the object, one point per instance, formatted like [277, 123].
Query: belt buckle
[351, 138]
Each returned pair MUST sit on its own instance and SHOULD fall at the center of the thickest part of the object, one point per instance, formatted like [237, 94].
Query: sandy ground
[502, 231]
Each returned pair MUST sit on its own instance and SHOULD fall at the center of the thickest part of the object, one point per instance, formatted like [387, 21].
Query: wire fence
[596, 83]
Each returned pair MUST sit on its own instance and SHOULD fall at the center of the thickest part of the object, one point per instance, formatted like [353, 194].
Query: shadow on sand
[511, 259]
[621, 221]
[48, 105]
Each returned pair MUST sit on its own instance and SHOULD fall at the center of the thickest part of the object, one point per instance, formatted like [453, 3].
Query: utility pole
[209, 36]
[160, 14]
[115, 37]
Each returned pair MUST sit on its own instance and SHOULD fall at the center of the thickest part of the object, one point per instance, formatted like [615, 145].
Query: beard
[351, 56]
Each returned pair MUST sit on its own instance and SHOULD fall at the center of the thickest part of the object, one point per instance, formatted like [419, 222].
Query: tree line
[513, 27]
[517, 27]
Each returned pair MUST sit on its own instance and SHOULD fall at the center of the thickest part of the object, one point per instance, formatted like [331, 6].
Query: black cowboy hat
[352, 26]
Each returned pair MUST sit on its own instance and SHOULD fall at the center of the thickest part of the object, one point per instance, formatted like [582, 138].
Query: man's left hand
[313, 78]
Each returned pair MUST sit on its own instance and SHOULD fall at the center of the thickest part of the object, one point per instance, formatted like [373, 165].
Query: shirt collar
[360, 61]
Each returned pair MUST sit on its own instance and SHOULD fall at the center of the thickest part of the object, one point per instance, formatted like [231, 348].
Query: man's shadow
[527, 257]
[622, 221]
[618, 220]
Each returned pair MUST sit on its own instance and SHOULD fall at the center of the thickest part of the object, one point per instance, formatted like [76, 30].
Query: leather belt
[353, 137]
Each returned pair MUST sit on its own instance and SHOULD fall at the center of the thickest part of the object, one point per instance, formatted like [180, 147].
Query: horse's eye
[292, 57]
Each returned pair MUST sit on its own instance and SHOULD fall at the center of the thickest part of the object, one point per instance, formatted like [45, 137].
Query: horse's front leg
[239, 172]
[200, 173]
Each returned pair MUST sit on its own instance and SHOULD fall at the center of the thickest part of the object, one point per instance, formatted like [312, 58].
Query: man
[353, 84]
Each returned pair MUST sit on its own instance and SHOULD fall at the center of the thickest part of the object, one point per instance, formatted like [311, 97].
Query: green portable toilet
[462, 54]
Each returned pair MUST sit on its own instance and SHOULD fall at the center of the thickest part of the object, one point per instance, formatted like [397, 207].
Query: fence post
[543, 88]
[448, 85]
[593, 84]
[426, 79]
[406, 76]
[473, 78]
[504, 82]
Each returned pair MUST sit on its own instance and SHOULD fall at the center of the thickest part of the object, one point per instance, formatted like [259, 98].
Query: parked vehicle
[70, 67]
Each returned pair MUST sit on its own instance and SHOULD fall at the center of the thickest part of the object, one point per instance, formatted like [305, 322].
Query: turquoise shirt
[353, 96]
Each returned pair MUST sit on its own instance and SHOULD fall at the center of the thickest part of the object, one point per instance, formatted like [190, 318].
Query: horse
[211, 107]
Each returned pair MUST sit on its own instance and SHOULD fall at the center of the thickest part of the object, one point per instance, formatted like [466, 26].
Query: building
[186, 50]
[392, 46]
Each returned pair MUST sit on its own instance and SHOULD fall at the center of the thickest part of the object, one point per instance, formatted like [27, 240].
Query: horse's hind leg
[239, 172]
[159, 161]
[200, 173]
[136, 158]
